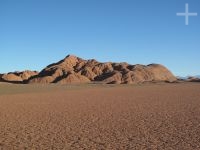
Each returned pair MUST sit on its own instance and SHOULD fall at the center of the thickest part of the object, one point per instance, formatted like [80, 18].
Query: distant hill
[193, 79]
[190, 78]
[17, 77]
[73, 69]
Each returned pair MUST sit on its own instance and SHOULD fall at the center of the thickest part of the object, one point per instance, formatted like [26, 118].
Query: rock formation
[18, 77]
[193, 79]
[73, 69]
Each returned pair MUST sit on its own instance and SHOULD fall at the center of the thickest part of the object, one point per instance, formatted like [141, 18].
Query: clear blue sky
[35, 33]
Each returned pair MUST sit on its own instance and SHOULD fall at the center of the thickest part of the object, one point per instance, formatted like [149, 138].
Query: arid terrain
[88, 116]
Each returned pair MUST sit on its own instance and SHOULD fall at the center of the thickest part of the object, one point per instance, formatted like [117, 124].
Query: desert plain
[95, 116]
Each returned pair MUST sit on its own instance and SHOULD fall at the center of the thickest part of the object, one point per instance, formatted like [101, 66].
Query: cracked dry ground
[164, 116]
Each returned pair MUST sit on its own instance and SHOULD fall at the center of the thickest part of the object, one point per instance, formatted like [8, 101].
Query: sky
[36, 33]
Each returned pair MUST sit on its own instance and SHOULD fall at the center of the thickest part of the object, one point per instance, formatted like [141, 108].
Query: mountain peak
[70, 56]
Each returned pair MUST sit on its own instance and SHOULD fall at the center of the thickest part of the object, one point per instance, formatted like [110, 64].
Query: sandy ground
[163, 116]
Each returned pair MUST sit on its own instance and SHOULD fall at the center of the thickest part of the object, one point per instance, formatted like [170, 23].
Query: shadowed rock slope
[73, 69]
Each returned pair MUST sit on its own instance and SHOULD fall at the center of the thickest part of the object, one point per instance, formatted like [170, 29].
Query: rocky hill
[17, 77]
[73, 69]
[193, 79]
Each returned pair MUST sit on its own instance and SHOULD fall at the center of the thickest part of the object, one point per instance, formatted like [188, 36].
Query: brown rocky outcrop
[18, 77]
[193, 79]
[73, 69]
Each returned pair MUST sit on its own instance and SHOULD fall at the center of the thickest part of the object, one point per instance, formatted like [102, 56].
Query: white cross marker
[186, 14]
